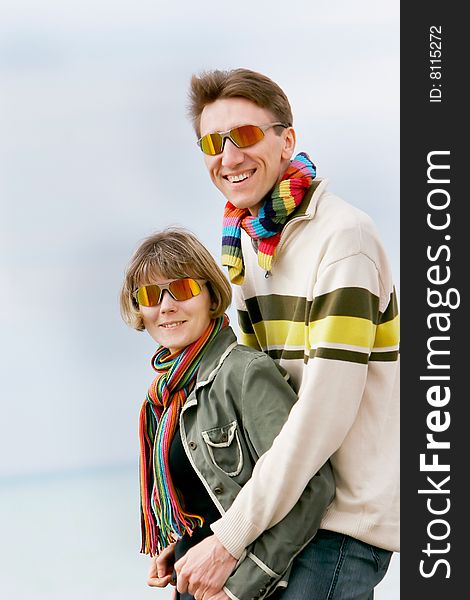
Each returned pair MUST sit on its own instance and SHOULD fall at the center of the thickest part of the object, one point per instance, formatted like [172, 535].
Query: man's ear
[289, 140]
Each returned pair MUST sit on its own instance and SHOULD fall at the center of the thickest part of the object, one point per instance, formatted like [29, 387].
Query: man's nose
[231, 154]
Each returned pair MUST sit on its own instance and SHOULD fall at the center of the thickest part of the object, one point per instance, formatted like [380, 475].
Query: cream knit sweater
[327, 312]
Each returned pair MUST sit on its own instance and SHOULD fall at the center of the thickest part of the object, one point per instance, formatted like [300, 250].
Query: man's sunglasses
[179, 289]
[242, 137]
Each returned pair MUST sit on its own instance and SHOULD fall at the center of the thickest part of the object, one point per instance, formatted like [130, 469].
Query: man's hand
[161, 567]
[204, 569]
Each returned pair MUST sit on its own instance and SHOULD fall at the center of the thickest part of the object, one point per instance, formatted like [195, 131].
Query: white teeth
[171, 325]
[240, 177]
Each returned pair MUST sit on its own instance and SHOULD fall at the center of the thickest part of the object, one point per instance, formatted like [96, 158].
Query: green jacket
[238, 406]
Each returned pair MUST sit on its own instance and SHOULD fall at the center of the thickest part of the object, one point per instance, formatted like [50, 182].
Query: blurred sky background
[96, 152]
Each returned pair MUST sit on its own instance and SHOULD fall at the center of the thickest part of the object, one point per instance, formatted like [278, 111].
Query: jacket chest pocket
[224, 448]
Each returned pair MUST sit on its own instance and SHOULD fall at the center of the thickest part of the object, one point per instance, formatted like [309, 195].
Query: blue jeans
[334, 566]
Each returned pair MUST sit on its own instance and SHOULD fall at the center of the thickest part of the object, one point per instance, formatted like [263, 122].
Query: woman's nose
[167, 303]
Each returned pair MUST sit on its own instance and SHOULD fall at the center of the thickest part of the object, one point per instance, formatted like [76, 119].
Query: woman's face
[175, 324]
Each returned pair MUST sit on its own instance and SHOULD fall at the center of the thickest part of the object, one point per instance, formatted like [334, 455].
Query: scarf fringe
[163, 519]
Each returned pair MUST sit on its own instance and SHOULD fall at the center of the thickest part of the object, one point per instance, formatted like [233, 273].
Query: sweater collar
[307, 208]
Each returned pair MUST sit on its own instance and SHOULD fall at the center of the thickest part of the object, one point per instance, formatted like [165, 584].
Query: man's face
[246, 175]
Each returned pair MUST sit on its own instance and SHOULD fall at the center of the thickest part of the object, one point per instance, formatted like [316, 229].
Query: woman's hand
[161, 568]
[220, 596]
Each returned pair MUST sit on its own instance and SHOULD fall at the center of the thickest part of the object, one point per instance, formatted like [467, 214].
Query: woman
[212, 410]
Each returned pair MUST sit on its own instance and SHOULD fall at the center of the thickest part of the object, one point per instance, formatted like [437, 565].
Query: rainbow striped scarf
[267, 226]
[163, 519]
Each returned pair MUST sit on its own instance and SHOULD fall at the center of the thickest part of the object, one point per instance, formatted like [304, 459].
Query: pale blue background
[96, 152]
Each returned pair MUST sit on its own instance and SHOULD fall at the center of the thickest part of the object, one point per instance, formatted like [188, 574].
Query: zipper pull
[267, 274]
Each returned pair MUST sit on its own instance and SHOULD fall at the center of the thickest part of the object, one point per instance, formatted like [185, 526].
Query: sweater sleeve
[266, 400]
[344, 327]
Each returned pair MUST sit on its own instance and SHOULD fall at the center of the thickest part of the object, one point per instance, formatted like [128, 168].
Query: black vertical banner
[433, 296]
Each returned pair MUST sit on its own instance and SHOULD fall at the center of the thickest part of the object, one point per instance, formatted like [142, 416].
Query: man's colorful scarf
[163, 519]
[272, 216]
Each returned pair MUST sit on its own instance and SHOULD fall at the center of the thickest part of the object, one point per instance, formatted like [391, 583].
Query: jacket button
[218, 490]
[192, 445]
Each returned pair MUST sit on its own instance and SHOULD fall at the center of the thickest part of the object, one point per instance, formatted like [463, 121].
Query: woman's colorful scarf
[163, 518]
[267, 226]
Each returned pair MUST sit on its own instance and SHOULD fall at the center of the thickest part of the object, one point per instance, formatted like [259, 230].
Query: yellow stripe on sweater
[350, 331]
[388, 334]
[280, 333]
[249, 339]
[333, 330]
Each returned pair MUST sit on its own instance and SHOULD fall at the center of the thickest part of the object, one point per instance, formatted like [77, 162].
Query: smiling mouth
[172, 325]
[240, 177]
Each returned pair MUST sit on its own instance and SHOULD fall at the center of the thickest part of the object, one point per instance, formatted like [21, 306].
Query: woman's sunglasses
[242, 137]
[179, 289]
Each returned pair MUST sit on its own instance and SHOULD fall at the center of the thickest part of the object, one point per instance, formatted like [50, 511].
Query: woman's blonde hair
[172, 253]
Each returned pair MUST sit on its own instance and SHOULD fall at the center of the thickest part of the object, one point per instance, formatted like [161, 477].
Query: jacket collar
[215, 354]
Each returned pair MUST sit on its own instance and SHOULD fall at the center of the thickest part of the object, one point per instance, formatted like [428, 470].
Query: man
[313, 290]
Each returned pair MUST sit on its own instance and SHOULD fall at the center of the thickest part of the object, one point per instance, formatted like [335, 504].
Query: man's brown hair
[209, 86]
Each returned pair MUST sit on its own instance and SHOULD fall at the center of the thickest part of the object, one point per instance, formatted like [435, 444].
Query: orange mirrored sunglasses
[242, 137]
[179, 289]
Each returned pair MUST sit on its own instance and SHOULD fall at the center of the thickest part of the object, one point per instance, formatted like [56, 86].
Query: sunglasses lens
[180, 289]
[148, 295]
[184, 289]
[211, 144]
[243, 136]
[247, 135]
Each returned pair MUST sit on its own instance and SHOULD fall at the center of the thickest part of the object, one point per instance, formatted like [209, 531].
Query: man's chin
[252, 208]
[243, 201]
